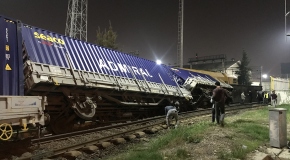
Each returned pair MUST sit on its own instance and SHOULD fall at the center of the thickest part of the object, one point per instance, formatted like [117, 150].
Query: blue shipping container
[11, 72]
[50, 48]
[184, 74]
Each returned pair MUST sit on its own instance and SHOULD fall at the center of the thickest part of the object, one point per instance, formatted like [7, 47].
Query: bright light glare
[265, 76]
[158, 62]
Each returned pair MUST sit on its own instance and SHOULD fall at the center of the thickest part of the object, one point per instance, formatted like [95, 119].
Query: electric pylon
[76, 22]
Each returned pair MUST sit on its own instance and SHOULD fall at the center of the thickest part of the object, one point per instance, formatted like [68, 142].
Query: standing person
[213, 113]
[266, 97]
[243, 97]
[260, 95]
[219, 96]
[274, 98]
[250, 96]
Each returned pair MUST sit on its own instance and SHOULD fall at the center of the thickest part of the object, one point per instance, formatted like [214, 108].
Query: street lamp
[265, 76]
[158, 62]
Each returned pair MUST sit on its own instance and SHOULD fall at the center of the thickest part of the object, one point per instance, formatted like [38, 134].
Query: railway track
[113, 134]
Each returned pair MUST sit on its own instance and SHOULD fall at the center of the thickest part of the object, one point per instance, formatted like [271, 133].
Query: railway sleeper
[92, 149]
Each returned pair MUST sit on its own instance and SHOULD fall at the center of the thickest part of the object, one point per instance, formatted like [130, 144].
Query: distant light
[158, 62]
[264, 75]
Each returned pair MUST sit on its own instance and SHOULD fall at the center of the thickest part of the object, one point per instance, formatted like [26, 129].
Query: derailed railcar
[86, 82]
[64, 82]
[229, 79]
[200, 85]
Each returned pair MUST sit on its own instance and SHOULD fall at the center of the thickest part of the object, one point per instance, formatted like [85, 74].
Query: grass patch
[181, 153]
[254, 131]
[192, 134]
[238, 152]
[172, 139]
[250, 130]
[194, 138]
[249, 136]
[240, 149]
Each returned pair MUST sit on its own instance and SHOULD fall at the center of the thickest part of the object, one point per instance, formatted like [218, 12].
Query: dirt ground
[215, 141]
[208, 147]
[221, 139]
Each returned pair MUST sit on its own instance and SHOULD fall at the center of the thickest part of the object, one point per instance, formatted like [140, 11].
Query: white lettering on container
[109, 65]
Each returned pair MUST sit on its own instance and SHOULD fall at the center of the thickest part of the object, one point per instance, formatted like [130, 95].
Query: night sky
[211, 27]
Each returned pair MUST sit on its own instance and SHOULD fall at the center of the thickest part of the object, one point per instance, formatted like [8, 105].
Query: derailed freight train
[60, 83]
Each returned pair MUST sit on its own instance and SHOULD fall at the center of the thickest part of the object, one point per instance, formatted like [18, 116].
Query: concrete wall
[283, 97]
[281, 87]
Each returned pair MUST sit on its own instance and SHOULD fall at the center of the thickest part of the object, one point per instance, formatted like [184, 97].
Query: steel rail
[121, 134]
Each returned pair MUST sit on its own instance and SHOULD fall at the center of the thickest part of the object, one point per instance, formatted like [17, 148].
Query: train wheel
[63, 125]
[6, 131]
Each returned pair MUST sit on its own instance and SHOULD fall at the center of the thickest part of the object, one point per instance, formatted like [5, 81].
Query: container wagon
[63, 84]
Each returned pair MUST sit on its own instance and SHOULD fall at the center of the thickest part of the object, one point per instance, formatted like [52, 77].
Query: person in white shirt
[243, 98]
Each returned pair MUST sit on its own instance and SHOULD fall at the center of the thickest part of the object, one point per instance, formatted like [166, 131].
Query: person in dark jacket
[250, 96]
[219, 96]
[177, 104]
[213, 113]
[274, 98]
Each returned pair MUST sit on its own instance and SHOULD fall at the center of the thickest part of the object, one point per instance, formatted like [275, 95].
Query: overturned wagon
[83, 82]
[78, 82]
[86, 82]
[199, 85]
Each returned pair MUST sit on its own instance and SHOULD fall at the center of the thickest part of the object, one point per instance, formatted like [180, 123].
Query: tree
[107, 38]
[244, 70]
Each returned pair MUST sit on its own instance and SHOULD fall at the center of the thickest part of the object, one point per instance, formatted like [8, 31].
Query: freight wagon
[63, 84]
[200, 86]
[229, 79]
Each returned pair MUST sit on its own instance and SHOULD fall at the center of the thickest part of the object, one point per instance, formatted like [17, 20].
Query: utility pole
[76, 22]
[286, 20]
[261, 75]
[180, 34]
